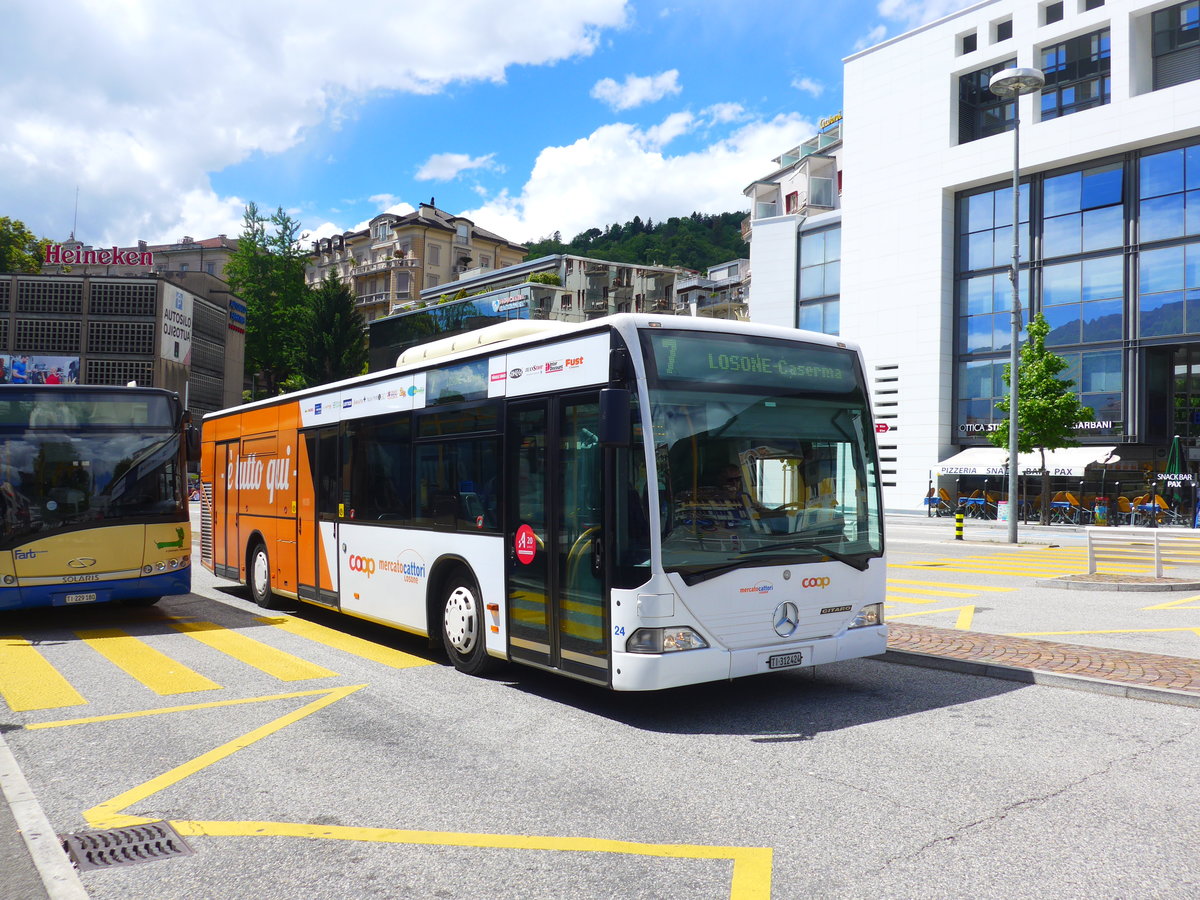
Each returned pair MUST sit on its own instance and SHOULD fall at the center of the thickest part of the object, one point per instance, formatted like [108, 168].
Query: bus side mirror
[615, 428]
[192, 435]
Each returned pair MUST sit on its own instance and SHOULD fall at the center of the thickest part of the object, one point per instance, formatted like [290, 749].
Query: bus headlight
[872, 614]
[664, 640]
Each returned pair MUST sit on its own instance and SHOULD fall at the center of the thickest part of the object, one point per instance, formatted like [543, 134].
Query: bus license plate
[785, 660]
[80, 598]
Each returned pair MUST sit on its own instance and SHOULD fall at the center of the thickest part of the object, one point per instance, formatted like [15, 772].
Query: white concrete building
[1110, 161]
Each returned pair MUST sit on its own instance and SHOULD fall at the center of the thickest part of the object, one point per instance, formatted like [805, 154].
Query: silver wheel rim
[261, 577]
[459, 620]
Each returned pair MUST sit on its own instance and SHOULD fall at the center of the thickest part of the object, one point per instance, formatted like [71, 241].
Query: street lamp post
[1006, 84]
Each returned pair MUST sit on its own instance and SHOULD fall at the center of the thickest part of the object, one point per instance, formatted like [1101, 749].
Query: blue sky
[530, 117]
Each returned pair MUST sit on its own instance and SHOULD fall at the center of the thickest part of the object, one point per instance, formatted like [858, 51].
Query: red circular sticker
[525, 544]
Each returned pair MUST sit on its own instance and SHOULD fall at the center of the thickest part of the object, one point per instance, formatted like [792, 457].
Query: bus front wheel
[462, 627]
[259, 576]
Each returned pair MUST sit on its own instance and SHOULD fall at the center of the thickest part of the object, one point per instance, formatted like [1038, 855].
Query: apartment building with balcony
[794, 230]
[391, 261]
[721, 293]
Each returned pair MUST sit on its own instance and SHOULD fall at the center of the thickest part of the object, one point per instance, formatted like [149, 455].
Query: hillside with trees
[694, 242]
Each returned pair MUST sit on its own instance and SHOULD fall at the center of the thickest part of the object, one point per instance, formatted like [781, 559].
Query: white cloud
[723, 113]
[911, 13]
[808, 86]
[871, 38]
[636, 90]
[135, 106]
[619, 171]
[448, 166]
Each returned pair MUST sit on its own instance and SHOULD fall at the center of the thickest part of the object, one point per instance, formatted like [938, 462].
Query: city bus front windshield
[67, 465]
[754, 475]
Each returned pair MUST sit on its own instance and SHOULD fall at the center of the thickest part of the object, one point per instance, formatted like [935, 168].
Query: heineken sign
[79, 256]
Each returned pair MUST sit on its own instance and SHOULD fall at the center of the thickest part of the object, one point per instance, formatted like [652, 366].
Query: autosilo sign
[175, 326]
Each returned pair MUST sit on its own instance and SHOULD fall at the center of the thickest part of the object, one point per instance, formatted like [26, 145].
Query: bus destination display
[759, 363]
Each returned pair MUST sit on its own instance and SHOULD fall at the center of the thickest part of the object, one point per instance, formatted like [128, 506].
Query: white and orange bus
[637, 501]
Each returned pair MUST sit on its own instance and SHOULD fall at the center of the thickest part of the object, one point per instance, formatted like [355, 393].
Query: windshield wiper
[855, 560]
[698, 575]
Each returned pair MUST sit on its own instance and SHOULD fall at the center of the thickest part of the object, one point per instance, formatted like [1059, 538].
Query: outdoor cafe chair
[1060, 508]
[1124, 514]
[975, 505]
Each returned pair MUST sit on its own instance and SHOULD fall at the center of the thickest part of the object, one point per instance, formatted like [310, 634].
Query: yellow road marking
[923, 591]
[966, 614]
[751, 865]
[155, 670]
[950, 584]
[347, 643]
[28, 681]
[1176, 604]
[892, 599]
[254, 653]
[108, 814]
[190, 707]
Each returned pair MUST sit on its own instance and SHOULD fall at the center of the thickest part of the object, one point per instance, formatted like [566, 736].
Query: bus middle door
[555, 584]
[317, 538]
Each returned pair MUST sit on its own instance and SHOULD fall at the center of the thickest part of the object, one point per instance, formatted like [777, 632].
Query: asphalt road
[389, 774]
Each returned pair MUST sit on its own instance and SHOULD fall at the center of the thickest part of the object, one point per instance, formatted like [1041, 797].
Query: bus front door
[555, 585]
[317, 538]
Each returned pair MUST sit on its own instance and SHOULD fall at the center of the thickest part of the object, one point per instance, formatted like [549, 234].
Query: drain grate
[90, 850]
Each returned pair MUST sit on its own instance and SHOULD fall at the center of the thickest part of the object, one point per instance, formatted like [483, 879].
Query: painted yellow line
[892, 599]
[109, 815]
[347, 643]
[951, 584]
[1107, 631]
[1177, 604]
[934, 591]
[254, 653]
[966, 614]
[190, 707]
[751, 865]
[155, 670]
[29, 682]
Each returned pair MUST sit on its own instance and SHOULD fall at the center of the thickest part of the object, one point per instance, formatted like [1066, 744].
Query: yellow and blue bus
[92, 495]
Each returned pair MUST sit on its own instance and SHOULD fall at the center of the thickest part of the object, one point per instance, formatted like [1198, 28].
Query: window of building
[1169, 291]
[434, 252]
[980, 112]
[383, 231]
[792, 203]
[985, 228]
[1175, 44]
[1002, 31]
[462, 233]
[1099, 382]
[967, 43]
[1051, 13]
[980, 387]
[1089, 5]
[1084, 301]
[1169, 194]
[431, 281]
[183, 267]
[1077, 74]
[210, 268]
[1083, 211]
[820, 280]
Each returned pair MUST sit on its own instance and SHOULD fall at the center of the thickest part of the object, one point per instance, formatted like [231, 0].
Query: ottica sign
[56, 255]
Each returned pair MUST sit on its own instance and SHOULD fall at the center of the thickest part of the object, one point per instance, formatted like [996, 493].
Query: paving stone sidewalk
[1175, 679]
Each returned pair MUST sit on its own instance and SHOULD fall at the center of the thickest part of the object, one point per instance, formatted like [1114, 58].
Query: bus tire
[258, 577]
[463, 626]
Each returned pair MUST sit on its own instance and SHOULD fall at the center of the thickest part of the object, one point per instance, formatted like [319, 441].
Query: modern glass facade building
[1109, 225]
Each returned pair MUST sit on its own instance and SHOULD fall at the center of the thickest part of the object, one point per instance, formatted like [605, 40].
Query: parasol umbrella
[1175, 478]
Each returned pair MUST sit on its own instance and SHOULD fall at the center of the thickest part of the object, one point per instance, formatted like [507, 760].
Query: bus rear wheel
[258, 574]
[462, 627]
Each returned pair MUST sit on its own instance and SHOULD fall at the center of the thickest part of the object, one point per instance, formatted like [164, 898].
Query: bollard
[958, 526]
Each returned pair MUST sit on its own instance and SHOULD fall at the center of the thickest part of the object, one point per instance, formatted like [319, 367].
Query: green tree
[20, 249]
[1047, 406]
[544, 278]
[333, 334]
[267, 272]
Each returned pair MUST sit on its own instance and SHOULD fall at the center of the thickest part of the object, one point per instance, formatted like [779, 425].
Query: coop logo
[364, 564]
[815, 582]
[762, 587]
